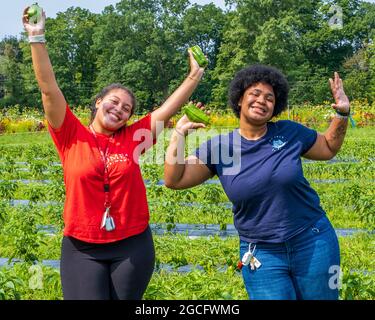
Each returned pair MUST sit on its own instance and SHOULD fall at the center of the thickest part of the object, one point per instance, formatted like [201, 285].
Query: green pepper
[199, 56]
[34, 13]
[195, 114]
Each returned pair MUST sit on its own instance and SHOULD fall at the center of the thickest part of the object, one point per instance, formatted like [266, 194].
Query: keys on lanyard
[107, 221]
[249, 258]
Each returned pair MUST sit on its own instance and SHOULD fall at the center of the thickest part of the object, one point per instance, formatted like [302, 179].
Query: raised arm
[328, 144]
[54, 103]
[179, 97]
[181, 173]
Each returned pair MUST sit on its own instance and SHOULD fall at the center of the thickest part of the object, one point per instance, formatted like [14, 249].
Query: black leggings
[117, 270]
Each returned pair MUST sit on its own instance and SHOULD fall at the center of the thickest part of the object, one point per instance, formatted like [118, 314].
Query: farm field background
[196, 244]
[143, 44]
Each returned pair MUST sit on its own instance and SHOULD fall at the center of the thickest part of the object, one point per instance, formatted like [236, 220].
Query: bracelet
[179, 132]
[40, 38]
[190, 77]
[342, 114]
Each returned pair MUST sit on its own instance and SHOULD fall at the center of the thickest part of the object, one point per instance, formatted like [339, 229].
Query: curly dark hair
[259, 73]
[105, 91]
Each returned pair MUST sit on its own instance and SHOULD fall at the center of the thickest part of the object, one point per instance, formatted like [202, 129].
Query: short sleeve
[206, 155]
[139, 135]
[306, 136]
[64, 136]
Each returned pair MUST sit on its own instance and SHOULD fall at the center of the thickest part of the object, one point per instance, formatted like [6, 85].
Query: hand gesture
[184, 125]
[341, 100]
[196, 71]
[33, 29]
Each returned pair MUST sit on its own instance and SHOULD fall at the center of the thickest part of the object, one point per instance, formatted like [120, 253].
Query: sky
[10, 15]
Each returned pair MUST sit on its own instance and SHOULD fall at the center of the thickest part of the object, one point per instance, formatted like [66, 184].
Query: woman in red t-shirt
[107, 248]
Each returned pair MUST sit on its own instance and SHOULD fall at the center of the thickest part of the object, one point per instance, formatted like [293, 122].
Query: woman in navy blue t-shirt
[288, 247]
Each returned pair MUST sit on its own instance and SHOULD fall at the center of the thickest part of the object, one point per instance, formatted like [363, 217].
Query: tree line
[143, 45]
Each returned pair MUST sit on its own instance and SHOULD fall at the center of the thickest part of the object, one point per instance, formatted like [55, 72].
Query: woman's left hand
[185, 125]
[342, 103]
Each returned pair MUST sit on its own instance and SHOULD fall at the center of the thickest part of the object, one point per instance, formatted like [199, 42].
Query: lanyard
[103, 157]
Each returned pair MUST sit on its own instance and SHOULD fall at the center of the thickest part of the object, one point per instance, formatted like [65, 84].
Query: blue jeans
[304, 267]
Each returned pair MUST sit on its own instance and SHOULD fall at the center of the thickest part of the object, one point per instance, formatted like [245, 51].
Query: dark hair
[259, 73]
[105, 91]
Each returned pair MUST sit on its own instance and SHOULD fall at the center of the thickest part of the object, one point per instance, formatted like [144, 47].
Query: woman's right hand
[185, 126]
[34, 29]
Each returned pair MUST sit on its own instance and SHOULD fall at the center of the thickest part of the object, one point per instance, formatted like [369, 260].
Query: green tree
[148, 43]
[360, 69]
[143, 44]
[11, 81]
[298, 37]
[70, 38]
[233, 55]
[136, 45]
[372, 73]
[259, 31]
[203, 26]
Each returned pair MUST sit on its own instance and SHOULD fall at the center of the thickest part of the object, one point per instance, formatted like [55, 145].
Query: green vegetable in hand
[34, 13]
[196, 115]
[199, 56]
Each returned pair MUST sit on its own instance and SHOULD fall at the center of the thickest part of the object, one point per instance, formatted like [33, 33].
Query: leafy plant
[357, 286]
[8, 286]
[8, 189]
[35, 193]
[23, 231]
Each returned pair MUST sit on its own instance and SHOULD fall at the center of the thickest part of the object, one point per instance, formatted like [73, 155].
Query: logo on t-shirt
[117, 158]
[278, 142]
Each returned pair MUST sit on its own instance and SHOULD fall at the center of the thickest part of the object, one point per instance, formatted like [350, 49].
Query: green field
[346, 188]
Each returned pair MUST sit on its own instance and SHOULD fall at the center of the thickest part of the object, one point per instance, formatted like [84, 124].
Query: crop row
[317, 172]
[209, 283]
[45, 170]
[179, 250]
[16, 283]
[358, 145]
[350, 204]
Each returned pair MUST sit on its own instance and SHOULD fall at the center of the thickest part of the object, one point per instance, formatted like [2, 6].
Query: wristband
[343, 114]
[40, 38]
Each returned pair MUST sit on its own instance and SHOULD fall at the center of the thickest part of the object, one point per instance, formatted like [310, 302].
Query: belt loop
[315, 230]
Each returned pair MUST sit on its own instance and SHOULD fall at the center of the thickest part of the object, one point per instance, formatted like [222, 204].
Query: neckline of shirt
[264, 137]
[102, 135]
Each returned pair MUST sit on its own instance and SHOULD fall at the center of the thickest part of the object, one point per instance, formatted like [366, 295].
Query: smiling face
[112, 111]
[257, 103]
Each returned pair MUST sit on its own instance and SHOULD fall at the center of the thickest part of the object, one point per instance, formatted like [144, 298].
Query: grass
[178, 250]
[25, 138]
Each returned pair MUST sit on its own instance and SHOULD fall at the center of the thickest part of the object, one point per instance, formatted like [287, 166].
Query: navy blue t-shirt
[272, 200]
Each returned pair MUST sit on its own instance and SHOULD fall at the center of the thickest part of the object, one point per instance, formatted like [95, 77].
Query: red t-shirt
[84, 179]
